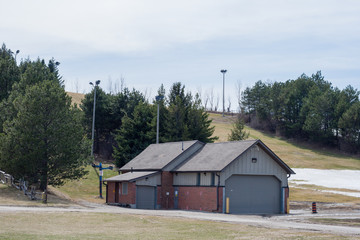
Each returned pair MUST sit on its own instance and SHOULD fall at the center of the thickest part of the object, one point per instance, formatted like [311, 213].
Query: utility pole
[93, 121]
[223, 71]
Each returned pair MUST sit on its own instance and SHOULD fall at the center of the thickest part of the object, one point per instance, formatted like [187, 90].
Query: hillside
[76, 97]
[296, 155]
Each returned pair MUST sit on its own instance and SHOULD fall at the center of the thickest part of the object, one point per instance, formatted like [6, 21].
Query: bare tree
[206, 99]
[120, 88]
[147, 94]
[110, 85]
[229, 104]
[199, 91]
[217, 102]
[212, 99]
[77, 85]
[238, 94]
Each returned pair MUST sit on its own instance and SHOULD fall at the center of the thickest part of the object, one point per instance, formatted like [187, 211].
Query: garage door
[253, 194]
[145, 197]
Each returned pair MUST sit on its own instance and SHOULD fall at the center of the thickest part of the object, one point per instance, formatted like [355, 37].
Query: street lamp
[16, 53]
[93, 121]
[223, 71]
[158, 99]
[101, 168]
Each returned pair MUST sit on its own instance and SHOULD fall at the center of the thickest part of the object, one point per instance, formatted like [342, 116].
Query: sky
[149, 43]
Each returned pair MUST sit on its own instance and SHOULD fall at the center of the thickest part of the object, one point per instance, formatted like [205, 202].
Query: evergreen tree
[45, 141]
[9, 72]
[237, 132]
[135, 134]
[349, 125]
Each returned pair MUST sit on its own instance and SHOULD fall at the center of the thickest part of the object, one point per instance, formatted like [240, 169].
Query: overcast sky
[152, 42]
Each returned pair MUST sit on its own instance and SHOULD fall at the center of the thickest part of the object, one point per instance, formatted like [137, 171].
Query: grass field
[80, 225]
[87, 188]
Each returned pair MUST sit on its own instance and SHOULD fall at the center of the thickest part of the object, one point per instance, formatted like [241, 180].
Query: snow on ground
[343, 179]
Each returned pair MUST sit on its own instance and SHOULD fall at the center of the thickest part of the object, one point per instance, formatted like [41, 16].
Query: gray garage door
[253, 194]
[145, 197]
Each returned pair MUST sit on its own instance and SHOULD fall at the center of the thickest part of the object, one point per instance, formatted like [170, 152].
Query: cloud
[131, 26]
[157, 41]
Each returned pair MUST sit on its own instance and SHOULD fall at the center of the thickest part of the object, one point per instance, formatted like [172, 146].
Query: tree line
[45, 140]
[307, 108]
[125, 122]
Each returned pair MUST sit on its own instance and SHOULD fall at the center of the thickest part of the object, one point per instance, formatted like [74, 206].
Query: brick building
[233, 177]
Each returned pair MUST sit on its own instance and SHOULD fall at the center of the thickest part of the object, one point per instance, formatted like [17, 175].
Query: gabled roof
[214, 157]
[130, 176]
[157, 156]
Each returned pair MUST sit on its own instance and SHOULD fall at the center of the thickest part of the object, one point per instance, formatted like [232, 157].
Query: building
[242, 177]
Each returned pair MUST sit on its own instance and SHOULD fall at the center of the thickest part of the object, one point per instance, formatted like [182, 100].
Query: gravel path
[297, 220]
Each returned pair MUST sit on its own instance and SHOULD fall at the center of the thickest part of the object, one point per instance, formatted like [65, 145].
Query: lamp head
[223, 71]
[97, 82]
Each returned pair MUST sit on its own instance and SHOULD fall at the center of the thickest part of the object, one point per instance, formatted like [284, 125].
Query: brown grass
[76, 97]
[80, 225]
[313, 193]
[355, 222]
[10, 196]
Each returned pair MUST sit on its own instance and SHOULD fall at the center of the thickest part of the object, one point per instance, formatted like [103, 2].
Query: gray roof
[157, 156]
[216, 156]
[130, 176]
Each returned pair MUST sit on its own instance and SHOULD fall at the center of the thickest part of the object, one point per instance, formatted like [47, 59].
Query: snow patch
[345, 179]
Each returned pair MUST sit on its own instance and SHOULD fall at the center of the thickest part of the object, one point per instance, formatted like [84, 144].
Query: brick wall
[129, 198]
[167, 201]
[199, 198]
[110, 192]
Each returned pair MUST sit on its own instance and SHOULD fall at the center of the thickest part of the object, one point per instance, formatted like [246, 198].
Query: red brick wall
[110, 193]
[129, 198]
[167, 201]
[199, 198]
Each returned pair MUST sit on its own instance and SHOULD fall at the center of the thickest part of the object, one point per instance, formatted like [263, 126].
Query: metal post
[157, 124]
[100, 179]
[16, 53]
[101, 168]
[223, 71]
[93, 122]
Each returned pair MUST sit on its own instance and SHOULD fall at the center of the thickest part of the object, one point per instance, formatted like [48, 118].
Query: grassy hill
[76, 97]
[295, 154]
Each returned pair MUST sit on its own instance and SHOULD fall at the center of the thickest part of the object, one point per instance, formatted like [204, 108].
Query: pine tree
[237, 132]
[45, 143]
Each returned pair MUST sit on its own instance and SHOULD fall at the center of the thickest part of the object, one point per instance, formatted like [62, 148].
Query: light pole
[93, 121]
[223, 71]
[158, 99]
[16, 53]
